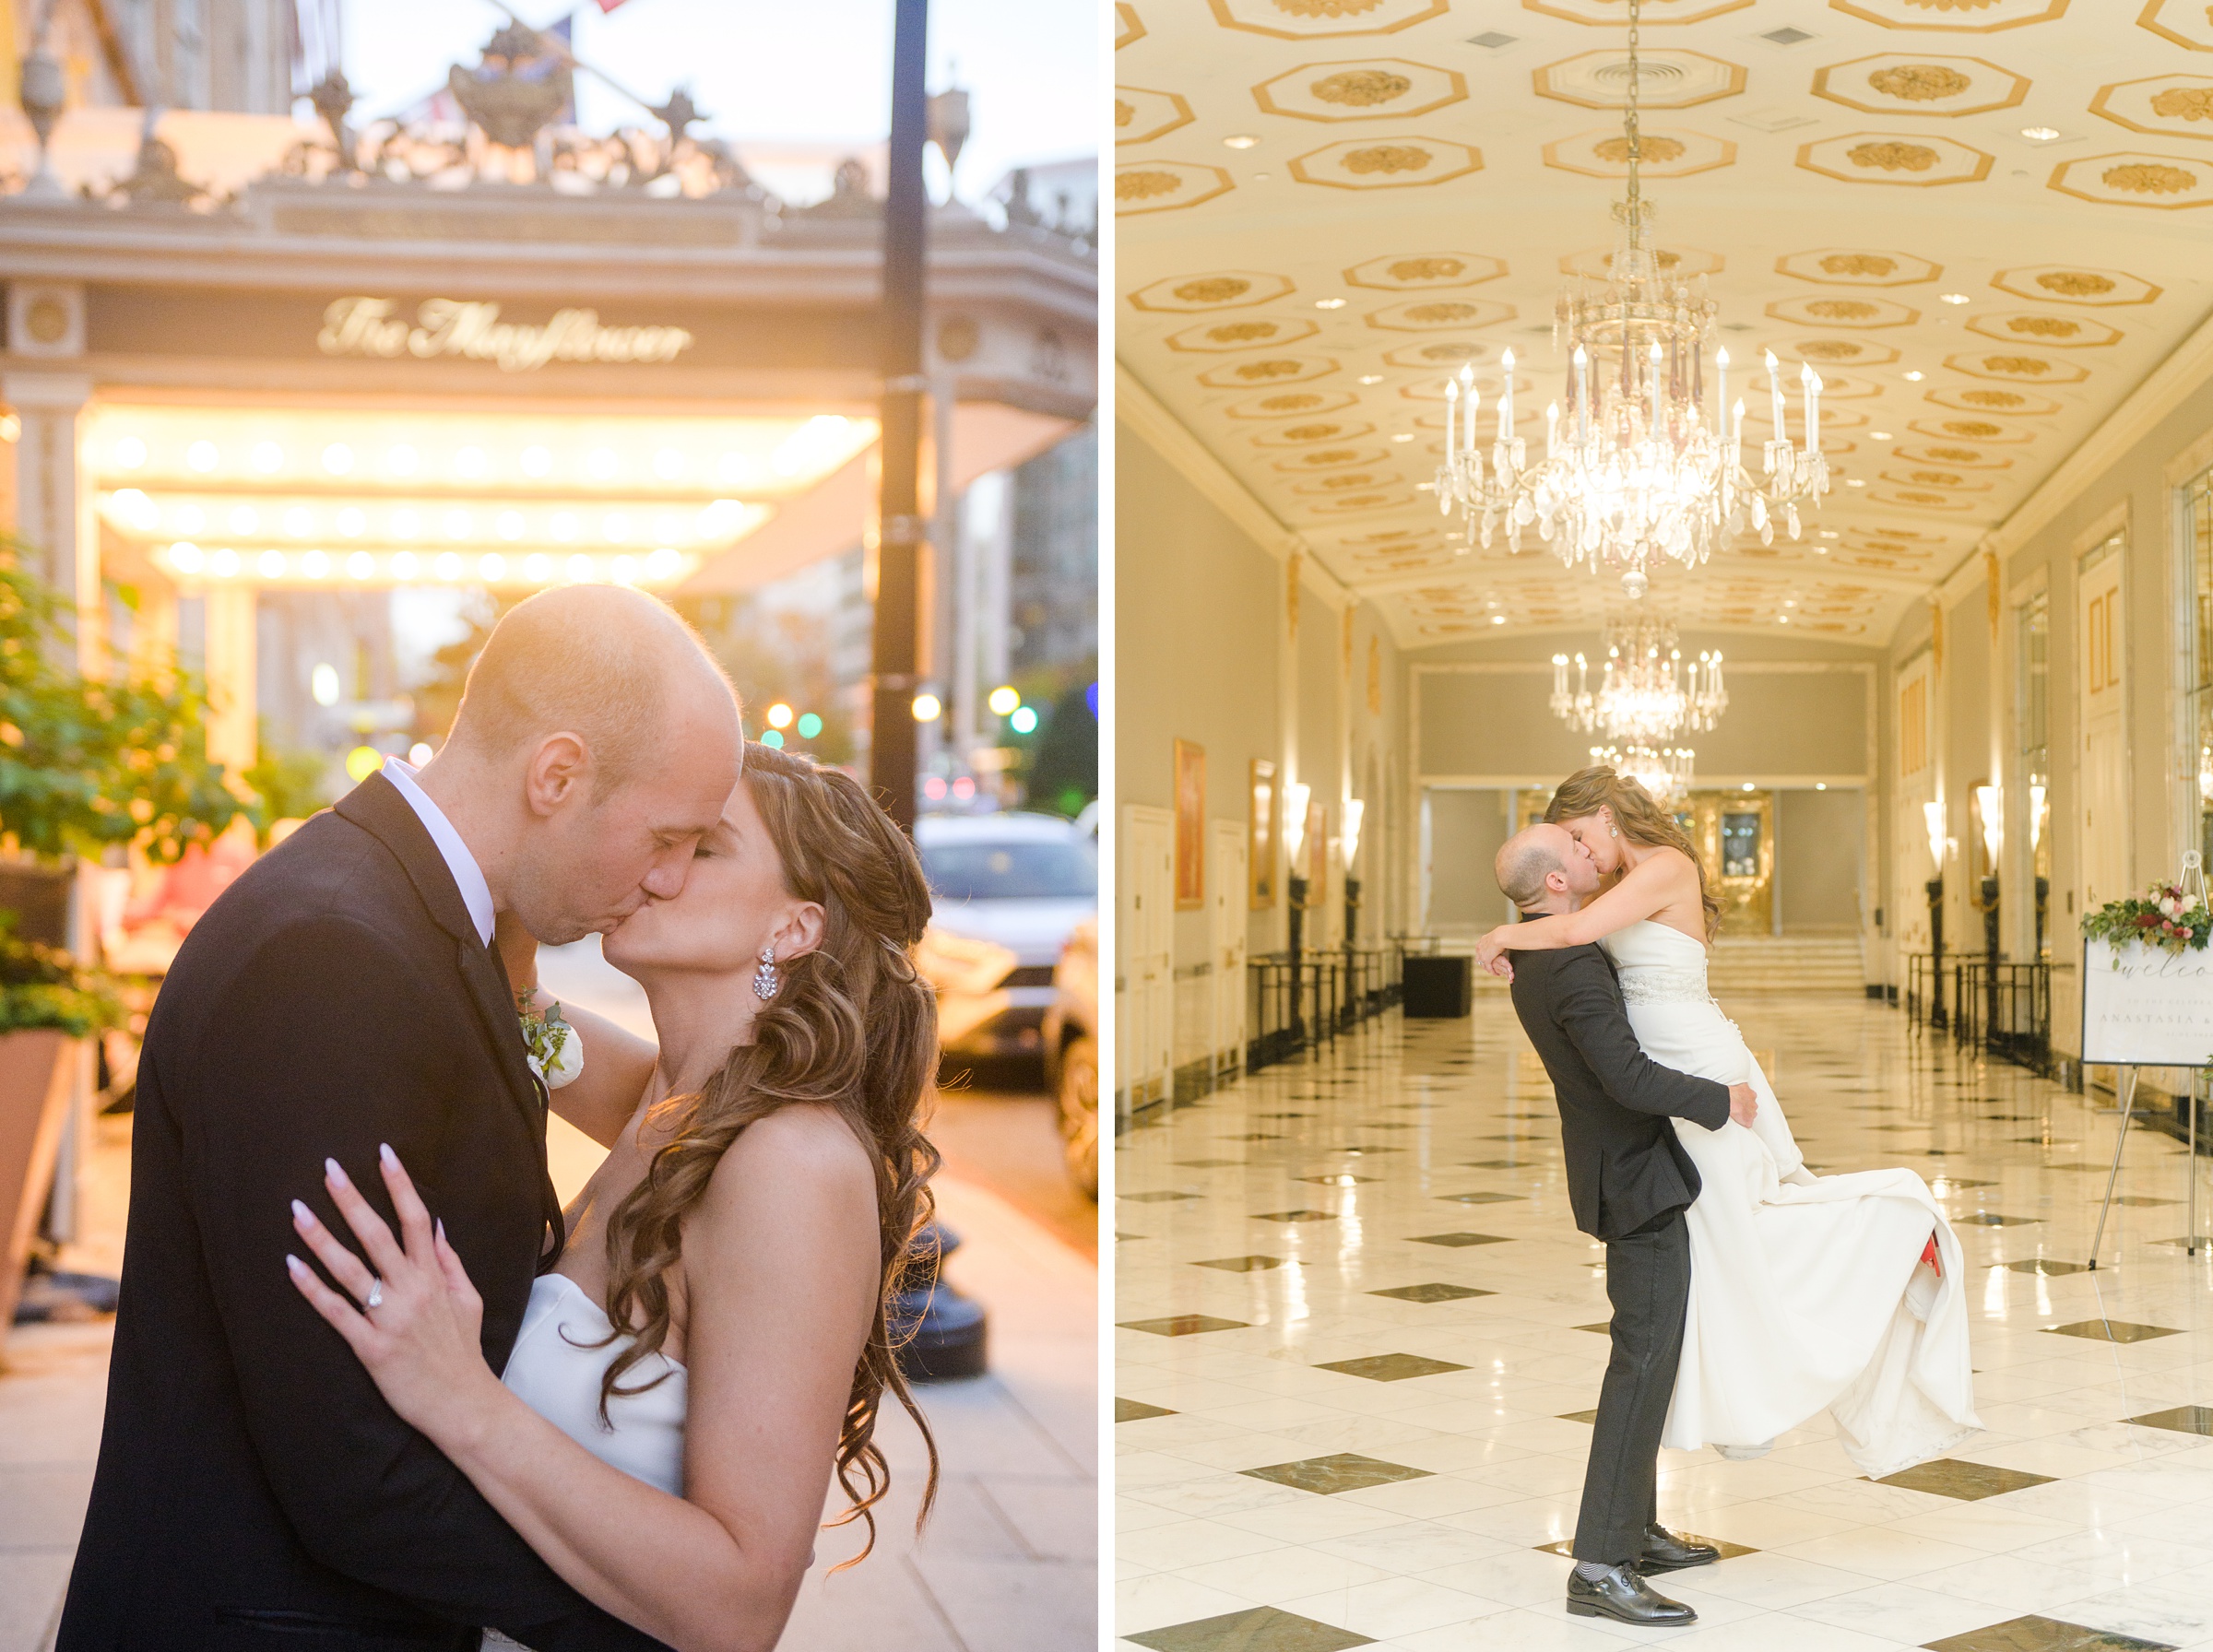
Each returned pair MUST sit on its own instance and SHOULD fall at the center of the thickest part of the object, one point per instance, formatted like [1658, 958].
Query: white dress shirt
[468, 876]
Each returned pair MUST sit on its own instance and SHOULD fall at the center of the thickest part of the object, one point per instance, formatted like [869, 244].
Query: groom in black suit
[1628, 1181]
[254, 1490]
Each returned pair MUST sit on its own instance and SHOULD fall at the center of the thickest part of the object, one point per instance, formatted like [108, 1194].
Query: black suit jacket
[254, 1490]
[1625, 1166]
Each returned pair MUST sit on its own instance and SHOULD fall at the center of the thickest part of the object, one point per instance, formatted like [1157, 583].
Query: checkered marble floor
[1361, 1339]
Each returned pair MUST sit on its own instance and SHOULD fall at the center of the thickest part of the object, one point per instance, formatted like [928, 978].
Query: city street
[1007, 1562]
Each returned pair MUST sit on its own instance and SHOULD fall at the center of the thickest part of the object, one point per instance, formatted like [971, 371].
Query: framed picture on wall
[1260, 836]
[1190, 826]
[1317, 853]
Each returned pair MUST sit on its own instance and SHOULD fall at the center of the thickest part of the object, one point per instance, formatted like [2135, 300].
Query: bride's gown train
[1806, 1292]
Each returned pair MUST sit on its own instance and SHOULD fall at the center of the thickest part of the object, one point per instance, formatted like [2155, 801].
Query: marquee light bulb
[1003, 700]
[779, 715]
[928, 708]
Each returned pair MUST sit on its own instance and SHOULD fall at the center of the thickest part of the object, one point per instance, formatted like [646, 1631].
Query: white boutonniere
[550, 1043]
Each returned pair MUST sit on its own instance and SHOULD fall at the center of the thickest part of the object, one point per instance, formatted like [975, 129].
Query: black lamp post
[902, 533]
[1297, 887]
[1936, 887]
[1990, 958]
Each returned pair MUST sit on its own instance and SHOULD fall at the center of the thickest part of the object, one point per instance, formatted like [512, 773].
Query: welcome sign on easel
[2143, 1005]
[2149, 1004]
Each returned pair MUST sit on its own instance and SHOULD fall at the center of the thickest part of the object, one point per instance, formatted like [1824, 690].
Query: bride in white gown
[764, 1180]
[1807, 1292]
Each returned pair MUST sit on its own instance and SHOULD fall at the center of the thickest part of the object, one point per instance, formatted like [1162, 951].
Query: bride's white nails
[385, 1153]
[301, 1214]
[336, 1172]
[293, 1265]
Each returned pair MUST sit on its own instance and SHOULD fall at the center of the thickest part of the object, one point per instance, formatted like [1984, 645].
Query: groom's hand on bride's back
[1743, 1103]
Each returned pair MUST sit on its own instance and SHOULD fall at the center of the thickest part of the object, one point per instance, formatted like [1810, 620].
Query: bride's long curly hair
[1637, 817]
[853, 1028]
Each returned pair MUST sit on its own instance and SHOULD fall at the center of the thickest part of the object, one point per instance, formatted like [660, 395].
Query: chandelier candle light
[1634, 468]
[1664, 772]
[1646, 694]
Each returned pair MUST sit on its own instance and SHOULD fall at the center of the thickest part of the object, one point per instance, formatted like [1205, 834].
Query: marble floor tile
[1256, 1629]
[2037, 1634]
[1464, 1365]
[1346, 1472]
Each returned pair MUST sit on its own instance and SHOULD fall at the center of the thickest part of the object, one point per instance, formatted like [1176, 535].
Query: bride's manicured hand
[419, 1342]
[1491, 952]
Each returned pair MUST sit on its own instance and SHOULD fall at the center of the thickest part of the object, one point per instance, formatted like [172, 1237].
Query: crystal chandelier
[1633, 467]
[1664, 772]
[1646, 693]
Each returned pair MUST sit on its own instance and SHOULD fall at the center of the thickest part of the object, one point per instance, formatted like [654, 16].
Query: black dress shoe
[1664, 1552]
[1622, 1595]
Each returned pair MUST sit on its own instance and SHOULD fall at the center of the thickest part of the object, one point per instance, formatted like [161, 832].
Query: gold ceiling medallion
[1953, 16]
[1293, 403]
[2167, 105]
[1948, 87]
[1362, 90]
[2024, 369]
[1839, 267]
[1826, 311]
[1400, 271]
[1984, 431]
[1386, 163]
[1443, 352]
[1917, 499]
[1640, 466]
[1128, 30]
[2186, 22]
[2134, 179]
[1607, 14]
[1914, 161]
[1249, 333]
[1952, 453]
[1427, 316]
[1141, 115]
[1952, 481]
[1223, 289]
[1315, 460]
[1346, 484]
[1142, 186]
[1271, 370]
[1860, 352]
[1666, 155]
[2053, 332]
[2068, 284]
[1597, 263]
[1312, 431]
[1668, 79]
[2007, 404]
[1311, 19]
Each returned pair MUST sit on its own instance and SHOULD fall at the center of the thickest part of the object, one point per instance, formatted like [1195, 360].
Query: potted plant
[90, 767]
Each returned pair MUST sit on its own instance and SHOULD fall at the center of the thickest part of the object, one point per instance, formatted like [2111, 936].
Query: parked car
[1022, 881]
[1071, 1054]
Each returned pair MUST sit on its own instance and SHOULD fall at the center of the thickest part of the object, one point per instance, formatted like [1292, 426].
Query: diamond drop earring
[764, 978]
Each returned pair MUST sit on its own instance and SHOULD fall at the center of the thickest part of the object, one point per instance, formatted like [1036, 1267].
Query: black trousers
[1648, 1281]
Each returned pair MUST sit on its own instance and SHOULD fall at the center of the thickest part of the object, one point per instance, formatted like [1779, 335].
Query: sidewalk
[1007, 1564]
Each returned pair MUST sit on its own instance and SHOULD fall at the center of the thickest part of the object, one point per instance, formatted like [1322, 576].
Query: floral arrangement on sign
[2161, 916]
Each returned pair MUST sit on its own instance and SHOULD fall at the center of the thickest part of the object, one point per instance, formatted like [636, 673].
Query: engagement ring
[375, 1298]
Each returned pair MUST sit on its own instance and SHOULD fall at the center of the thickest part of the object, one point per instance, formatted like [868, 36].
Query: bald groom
[1628, 1181]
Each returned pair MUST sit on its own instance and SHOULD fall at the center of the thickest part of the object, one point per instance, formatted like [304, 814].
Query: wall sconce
[1353, 809]
[1294, 821]
[1991, 799]
[1931, 815]
[2036, 816]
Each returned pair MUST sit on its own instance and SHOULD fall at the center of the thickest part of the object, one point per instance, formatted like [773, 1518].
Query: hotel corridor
[1360, 1336]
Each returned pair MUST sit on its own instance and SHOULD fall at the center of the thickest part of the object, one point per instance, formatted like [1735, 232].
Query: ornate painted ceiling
[1984, 221]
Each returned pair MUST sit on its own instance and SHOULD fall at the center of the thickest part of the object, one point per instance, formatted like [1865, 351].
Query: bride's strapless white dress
[556, 1368]
[1807, 1293]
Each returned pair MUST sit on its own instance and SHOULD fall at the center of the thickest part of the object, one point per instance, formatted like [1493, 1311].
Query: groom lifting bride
[1749, 1294]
